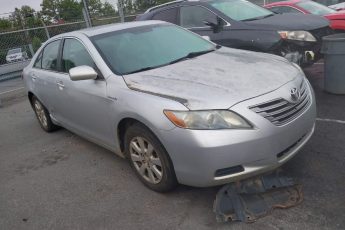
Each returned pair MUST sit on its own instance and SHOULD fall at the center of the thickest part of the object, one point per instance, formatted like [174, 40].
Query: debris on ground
[253, 198]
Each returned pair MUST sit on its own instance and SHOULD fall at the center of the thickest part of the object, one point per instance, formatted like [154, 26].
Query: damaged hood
[216, 80]
[290, 22]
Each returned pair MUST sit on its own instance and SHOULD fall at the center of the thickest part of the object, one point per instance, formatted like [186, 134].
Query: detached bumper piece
[251, 199]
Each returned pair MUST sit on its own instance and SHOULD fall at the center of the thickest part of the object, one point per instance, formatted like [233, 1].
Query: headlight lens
[209, 119]
[297, 35]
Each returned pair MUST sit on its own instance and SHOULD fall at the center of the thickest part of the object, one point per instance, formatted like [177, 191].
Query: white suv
[17, 54]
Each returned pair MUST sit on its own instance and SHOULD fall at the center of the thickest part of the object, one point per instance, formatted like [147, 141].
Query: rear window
[315, 8]
[169, 15]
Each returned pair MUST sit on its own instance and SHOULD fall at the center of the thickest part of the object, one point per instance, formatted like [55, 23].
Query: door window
[194, 16]
[284, 9]
[50, 56]
[38, 61]
[169, 15]
[74, 54]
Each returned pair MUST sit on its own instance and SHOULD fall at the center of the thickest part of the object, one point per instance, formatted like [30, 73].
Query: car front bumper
[199, 155]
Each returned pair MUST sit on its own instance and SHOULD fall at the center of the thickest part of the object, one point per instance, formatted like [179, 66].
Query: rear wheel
[43, 115]
[149, 159]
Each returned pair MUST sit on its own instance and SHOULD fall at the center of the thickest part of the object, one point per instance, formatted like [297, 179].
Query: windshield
[315, 8]
[241, 10]
[147, 47]
[14, 51]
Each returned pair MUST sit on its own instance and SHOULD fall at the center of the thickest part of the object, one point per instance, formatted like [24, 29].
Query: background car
[179, 107]
[337, 18]
[17, 54]
[244, 25]
[338, 7]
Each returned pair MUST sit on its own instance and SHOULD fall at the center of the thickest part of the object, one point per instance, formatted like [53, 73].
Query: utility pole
[120, 8]
[86, 14]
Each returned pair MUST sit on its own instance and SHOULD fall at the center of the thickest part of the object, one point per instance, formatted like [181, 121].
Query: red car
[337, 18]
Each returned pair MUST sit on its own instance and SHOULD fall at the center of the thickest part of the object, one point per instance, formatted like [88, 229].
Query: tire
[149, 159]
[43, 116]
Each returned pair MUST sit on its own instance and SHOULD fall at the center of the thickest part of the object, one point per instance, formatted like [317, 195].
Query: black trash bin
[333, 48]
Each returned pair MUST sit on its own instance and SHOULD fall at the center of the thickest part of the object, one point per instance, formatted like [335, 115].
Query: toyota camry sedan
[180, 108]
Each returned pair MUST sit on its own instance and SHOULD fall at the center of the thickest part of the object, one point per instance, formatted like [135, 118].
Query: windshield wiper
[143, 69]
[191, 55]
[257, 18]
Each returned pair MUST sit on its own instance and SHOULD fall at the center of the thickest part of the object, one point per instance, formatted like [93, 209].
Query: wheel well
[30, 96]
[121, 129]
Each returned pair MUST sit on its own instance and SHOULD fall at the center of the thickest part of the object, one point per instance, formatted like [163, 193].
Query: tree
[50, 9]
[95, 7]
[5, 24]
[70, 10]
[25, 17]
[107, 9]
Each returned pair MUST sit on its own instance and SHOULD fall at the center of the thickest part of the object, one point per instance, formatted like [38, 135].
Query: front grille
[281, 111]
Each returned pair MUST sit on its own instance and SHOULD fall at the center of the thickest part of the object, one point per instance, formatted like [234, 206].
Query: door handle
[61, 85]
[33, 77]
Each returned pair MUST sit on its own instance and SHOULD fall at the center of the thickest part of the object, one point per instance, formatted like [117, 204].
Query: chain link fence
[18, 47]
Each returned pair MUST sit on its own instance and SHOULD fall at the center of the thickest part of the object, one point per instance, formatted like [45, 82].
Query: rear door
[82, 105]
[44, 72]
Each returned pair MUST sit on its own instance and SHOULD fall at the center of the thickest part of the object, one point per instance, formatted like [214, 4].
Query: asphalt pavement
[61, 181]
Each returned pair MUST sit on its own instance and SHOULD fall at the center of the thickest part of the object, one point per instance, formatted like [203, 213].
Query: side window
[74, 54]
[284, 9]
[50, 56]
[194, 16]
[169, 15]
[38, 61]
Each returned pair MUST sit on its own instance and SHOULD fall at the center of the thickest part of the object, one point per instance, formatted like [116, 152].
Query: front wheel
[149, 159]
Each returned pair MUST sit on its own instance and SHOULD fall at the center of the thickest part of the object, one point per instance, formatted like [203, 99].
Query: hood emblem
[295, 94]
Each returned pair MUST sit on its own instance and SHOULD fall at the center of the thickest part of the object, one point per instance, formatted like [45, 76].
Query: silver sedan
[180, 108]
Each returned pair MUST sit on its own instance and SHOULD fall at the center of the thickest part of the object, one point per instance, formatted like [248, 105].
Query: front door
[194, 19]
[82, 105]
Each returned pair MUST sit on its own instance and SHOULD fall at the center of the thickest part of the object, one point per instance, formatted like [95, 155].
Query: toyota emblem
[295, 94]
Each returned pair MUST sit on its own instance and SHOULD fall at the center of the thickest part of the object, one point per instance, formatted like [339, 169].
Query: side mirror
[216, 26]
[83, 72]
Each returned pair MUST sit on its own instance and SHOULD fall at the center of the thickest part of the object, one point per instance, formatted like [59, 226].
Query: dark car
[244, 25]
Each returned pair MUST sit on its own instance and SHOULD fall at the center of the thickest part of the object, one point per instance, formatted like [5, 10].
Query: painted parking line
[331, 120]
[13, 90]
[319, 63]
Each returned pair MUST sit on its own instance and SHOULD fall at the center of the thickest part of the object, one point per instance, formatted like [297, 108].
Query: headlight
[297, 35]
[208, 119]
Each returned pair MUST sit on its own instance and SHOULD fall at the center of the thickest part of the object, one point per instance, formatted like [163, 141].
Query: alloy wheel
[146, 160]
[41, 115]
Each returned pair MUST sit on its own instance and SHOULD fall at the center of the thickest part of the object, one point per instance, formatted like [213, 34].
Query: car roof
[92, 31]
[162, 6]
[288, 3]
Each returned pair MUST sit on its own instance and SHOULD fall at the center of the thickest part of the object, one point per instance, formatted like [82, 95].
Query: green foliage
[107, 9]
[5, 24]
[36, 43]
[68, 10]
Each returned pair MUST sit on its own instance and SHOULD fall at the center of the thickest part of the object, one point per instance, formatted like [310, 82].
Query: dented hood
[216, 80]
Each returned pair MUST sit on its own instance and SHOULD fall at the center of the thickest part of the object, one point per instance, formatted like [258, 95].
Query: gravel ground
[61, 181]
